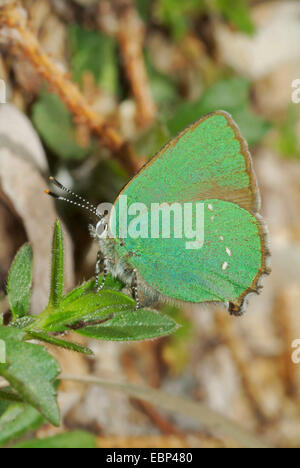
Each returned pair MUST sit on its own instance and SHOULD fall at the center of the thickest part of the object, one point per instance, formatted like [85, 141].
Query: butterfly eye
[102, 228]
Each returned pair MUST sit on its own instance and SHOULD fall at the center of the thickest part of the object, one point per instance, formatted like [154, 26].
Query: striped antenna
[86, 205]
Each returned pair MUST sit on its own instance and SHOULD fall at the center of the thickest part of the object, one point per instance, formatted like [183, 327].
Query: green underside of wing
[222, 270]
[206, 161]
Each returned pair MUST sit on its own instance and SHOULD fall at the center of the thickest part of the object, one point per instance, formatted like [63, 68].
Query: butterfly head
[102, 228]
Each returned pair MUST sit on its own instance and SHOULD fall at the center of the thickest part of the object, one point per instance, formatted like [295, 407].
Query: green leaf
[144, 8]
[231, 95]
[57, 270]
[23, 322]
[163, 87]
[89, 307]
[177, 15]
[252, 126]
[8, 395]
[287, 142]
[31, 371]
[76, 439]
[94, 52]
[54, 123]
[111, 283]
[143, 324]
[10, 333]
[228, 93]
[17, 420]
[4, 404]
[152, 140]
[176, 350]
[61, 343]
[238, 13]
[76, 293]
[19, 282]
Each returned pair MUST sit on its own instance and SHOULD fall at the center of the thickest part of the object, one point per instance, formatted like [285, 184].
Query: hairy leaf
[76, 439]
[143, 324]
[31, 371]
[90, 286]
[17, 420]
[19, 282]
[57, 270]
[89, 307]
[61, 343]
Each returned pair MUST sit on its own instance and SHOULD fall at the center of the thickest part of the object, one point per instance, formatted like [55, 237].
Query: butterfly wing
[209, 162]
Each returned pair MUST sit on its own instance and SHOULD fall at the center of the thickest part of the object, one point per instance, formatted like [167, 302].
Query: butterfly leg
[98, 269]
[134, 287]
[82, 324]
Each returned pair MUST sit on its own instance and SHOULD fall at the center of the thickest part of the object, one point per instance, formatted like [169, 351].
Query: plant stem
[211, 420]
[130, 36]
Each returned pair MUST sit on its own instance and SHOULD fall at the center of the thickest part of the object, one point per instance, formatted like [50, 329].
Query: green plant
[73, 439]
[178, 16]
[287, 142]
[237, 12]
[28, 368]
[54, 123]
[230, 94]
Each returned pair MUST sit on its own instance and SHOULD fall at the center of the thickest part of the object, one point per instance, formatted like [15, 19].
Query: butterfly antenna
[65, 189]
[86, 205]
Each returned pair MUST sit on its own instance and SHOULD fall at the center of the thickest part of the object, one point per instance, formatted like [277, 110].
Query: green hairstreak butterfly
[207, 166]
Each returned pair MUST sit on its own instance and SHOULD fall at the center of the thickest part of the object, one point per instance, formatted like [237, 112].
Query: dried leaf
[22, 187]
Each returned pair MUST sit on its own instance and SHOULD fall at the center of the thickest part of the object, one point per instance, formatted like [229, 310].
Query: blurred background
[144, 70]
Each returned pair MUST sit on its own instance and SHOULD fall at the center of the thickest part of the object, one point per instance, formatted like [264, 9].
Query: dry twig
[120, 19]
[130, 36]
[157, 418]
[237, 350]
[287, 368]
